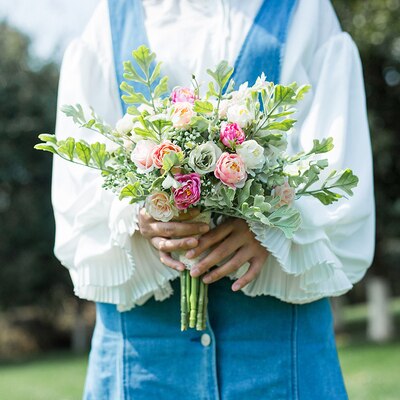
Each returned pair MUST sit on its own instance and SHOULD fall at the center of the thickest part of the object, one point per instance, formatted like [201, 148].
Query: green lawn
[372, 372]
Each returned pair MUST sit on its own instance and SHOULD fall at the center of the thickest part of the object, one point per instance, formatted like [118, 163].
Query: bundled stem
[193, 301]
[200, 308]
[184, 302]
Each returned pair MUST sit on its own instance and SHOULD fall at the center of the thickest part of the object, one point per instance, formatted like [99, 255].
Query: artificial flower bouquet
[221, 150]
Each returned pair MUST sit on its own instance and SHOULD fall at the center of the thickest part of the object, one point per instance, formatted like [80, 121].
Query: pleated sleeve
[335, 244]
[97, 236]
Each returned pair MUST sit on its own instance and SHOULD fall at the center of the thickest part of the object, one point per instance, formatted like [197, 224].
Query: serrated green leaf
[162, 87]
[133, 190]
[221, 74]
[200, 123]
[144, 57]
[99, 154]
[244, 193]
[45, 147]
[346, 182]
[45, 137]
[67, 147]
[156, 73]
[83, 152]
[301, 91]
[326, 197]
[322, 146]
[228, 195]
[284, 125]
[171, 159]
[131, 74]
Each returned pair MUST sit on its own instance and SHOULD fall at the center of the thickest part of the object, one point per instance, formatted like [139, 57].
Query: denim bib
[262, 49]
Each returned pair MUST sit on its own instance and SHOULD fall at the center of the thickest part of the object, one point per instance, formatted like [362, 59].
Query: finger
[168, 245]
[251, 274]
[167, 260]
[209, 239]
[177, 229]
[240, 258]
[220, 253]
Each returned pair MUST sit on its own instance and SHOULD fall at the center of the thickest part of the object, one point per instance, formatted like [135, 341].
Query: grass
[57, 376]
[371, 371]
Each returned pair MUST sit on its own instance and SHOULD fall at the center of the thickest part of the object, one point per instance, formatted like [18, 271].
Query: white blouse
[97, 236]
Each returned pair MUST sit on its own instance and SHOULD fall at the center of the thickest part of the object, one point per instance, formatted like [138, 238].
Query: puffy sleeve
[96, 233]
[334, 247]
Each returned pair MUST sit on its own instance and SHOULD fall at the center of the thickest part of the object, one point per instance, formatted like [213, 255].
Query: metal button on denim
[205, 339]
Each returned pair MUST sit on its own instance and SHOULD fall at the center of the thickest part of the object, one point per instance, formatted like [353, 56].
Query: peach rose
[142, 155]
[162, 150]
[286, 193]
[182, 113]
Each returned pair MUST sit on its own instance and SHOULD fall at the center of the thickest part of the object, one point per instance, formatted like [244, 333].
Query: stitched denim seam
[213, 360]
[125, 361]
[295, 389]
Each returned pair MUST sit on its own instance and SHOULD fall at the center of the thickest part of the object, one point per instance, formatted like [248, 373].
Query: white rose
[160, 207]
[252, 154]
[203, 158]
[125, 124]
[240, 114]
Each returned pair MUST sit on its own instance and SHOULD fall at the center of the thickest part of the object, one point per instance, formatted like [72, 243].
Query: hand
[163, 235]
[233, 238]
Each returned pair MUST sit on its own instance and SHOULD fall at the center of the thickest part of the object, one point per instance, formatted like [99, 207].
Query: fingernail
[204, 228]
[194, 271]
[235, 287]
[190, 254]
[206, 279]
[181, 268]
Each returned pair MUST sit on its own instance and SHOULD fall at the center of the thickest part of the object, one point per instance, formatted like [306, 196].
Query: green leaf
[203, 107]
[131, 74]
[244, 193]
[99, 154]
[162, 87]
[133, 190]
[156, 73]
[144, 57]
[83, 152]
[322, 146]
[228, 195]
[45, 147]
[200, 123]
[147, 134]
[346, 182]
[67, 147]
[211, 90]
[326, 197]
[301, 91]
[132, 97]
[171, 159]
[287, 219]
[76, 113]
[45, 137]
[283, 95]
[284, 125]
[221, 74]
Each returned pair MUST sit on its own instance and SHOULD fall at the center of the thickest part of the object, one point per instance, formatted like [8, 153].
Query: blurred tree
[374, 25]
[29, 273]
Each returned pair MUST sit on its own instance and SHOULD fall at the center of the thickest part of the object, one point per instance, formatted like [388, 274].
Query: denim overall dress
[254, 348]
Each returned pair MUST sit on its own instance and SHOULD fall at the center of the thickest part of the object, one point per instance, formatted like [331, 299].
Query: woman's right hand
[172, 236]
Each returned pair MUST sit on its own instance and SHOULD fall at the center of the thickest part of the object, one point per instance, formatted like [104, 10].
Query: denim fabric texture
[253, 348]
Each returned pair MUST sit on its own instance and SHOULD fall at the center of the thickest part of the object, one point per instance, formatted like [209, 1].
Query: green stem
[205, 303]
[200, 308]
[188, 285]
[193, 302]
[184, 310]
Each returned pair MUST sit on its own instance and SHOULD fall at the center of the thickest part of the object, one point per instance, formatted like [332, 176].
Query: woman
[269, 333]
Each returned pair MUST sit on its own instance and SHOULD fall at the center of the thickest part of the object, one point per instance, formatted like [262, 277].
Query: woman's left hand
[232, 238]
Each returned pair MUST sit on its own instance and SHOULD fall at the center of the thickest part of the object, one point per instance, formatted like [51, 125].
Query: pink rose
[142, 155]
[183, 94]
[231, 134]
[285, 192]
[160, 151]
[189, 192]
[231, 171]
[181, 115]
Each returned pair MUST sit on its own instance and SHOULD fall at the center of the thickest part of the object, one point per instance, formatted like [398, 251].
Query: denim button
[205, 339]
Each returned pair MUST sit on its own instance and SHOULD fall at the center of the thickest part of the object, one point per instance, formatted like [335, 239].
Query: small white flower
[169, 182]
[240, 114]
[125, 124]
[252, 154]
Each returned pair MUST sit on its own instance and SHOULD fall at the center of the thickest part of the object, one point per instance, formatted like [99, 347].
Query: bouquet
[221, 150]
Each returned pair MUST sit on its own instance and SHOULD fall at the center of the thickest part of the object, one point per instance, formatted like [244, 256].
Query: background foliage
[29, 273]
